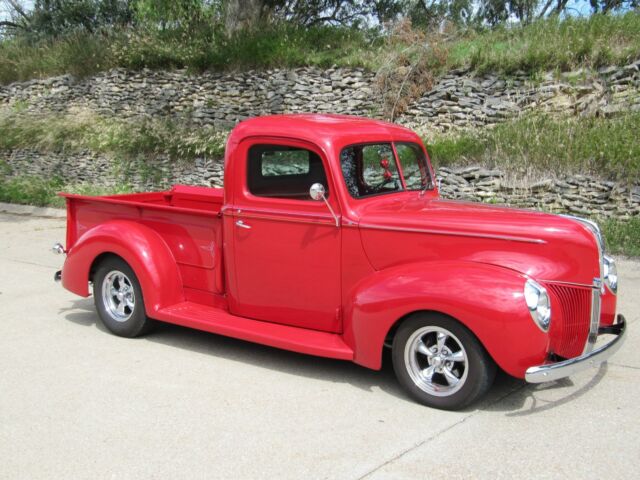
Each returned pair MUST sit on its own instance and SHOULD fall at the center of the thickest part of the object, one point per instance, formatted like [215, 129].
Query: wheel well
[388, 340]
[98, 260]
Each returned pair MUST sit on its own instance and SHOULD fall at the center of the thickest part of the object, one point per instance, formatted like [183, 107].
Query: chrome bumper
[554, 371]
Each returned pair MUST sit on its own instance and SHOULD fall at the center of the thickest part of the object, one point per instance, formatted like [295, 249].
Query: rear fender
[487, 299]
[141, 247]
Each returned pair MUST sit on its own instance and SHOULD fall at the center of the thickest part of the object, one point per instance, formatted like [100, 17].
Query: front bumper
[554, 371]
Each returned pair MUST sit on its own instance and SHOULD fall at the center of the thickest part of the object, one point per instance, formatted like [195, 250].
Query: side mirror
[316, 192]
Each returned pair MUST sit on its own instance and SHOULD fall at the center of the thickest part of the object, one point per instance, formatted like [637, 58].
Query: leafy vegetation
[549, 44]
[542, 143]
[85, 131]
[29, 190]
[622, 237]
[42, 192]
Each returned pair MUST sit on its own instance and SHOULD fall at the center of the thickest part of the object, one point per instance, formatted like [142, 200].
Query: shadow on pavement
[531, 398]
[508, 394]
[82, 312]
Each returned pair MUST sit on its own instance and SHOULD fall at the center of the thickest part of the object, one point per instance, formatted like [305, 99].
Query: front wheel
[440, 362]
[118, 298]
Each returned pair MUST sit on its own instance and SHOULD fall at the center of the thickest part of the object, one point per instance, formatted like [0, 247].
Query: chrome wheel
[436, 361]
[118, 296]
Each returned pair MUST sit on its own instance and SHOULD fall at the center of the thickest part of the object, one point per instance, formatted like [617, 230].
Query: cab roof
[322, 128]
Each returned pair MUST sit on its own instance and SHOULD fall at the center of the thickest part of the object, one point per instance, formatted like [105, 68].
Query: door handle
[241, 224]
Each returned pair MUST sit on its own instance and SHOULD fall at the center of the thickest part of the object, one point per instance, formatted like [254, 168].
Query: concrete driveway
[77, 402]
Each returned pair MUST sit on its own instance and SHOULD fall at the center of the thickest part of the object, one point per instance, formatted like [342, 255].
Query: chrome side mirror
[317, 192]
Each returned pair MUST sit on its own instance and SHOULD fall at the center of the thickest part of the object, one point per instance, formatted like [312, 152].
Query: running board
[215, 320]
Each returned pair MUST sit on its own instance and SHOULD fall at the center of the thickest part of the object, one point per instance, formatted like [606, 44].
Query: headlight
[538, 303]
[611, 273]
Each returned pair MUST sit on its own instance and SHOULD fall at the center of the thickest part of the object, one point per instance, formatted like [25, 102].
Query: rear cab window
[280, 171]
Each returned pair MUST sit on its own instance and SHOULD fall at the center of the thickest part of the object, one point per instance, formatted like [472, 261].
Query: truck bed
[186, 218]
[180, 198]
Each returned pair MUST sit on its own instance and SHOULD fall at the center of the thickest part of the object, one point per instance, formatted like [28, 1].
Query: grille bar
[569, 334]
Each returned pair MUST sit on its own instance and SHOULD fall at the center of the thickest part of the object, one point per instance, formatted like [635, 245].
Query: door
[286, 245]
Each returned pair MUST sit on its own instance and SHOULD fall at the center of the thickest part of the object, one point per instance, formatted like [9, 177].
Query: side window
[279, 171]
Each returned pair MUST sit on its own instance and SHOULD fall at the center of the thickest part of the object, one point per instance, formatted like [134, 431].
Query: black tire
[428, 379]
[132, 321]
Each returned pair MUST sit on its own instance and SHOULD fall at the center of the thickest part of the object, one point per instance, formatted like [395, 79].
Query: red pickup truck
[329, 238]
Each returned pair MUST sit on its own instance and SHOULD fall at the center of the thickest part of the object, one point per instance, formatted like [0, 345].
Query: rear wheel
[118, 298]
[440, 362]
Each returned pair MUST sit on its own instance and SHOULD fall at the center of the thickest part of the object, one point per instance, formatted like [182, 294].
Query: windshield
[371, 169]
[414, 166]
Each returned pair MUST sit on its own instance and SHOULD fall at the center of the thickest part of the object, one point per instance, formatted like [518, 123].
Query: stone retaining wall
[576, 194]
[458, 100]
[461, 100]
[215, 99]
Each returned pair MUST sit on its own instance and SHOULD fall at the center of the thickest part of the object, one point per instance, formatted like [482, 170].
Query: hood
[544, 246]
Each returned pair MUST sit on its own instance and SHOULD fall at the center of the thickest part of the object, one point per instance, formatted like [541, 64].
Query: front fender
[487, 299]
[141, 247]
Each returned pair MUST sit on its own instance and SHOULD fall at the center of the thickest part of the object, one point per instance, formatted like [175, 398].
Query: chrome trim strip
[306, 218]
[595, 316]
[566, 368]
[569, 284]
[454, 233]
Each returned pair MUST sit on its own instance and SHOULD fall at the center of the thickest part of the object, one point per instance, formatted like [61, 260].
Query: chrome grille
[569, 333]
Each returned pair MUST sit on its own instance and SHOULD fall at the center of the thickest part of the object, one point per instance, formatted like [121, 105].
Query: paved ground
[77, 402]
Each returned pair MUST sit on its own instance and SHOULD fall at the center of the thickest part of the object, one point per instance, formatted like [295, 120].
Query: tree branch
[18, 8]
[543, 12]
[5, 23]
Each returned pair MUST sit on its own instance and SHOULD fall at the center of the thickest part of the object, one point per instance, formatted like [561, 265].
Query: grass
[120, 138]
[608, 147]
[78, 54]
[283, 45]
[550, 44]
[43, 192]
[622, 237]
[29, 190]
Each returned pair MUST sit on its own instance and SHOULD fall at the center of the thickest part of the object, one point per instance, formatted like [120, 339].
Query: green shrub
[79, 54]
[84, 131]
[547, 44]
[608, 147]
[622, 236]
[29, 190]
[42, 192]
[552, 44]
